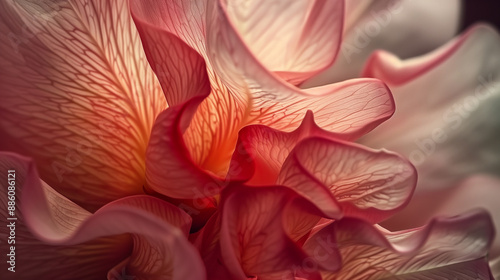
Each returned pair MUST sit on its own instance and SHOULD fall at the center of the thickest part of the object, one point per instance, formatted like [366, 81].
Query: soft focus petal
[495, 268]
[294, 39]
[404, 27]
[77, 95]
[479, 191]
[345, 179]
[447, 248]
[158, 229]
[34, 257]
[446, 122]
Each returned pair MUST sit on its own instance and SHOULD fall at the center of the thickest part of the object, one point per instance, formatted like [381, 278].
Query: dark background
[480, 10]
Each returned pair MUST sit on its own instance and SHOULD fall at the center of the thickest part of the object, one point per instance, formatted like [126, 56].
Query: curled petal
[157, 229]
[345, 179]
[447, 248]
[184, 19]
[479, 191]
[179, 68]
[78, 95]
[447, 100]
[170, 169]
[352, 107]
[309, 31]
[255, 228]
[406, 28]
[261, 150]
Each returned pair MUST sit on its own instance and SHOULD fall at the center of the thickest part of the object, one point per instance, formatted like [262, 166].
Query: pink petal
[184, 19]
[447, 248]
[34, 257]
[446, 121]
[261, 150]
[236, 101]
[309, 31]
[179, 68]
[255, 227]
[78, 96]
[158, 230]
[479, 191]
[170, 169]
[352, 107]
[345, 179]
[406, 28]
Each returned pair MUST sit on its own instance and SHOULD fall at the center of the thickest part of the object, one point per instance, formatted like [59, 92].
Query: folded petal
[236, 100]
[77, 95]
[292, 39]
[184, 19]
[33, 257]
[352, 107]
[261, 150]
[170, 169]
[406, 28]
[152, 233]
[255, 227]
[179, 68]
[447, 248]
[447, 100]
[478, 191]
[345, 179]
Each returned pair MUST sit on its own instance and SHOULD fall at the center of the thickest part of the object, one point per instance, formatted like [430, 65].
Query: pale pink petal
[294, 39]
[345, 179]
[446, 122]
[478, 191]
[495, 268]
[78, 95]
[352, 107]
[406, 28]
[447, 248]
[185, 19]
[153, 232]
[179, 68]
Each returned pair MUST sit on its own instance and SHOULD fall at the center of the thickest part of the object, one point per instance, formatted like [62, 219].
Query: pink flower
[183, 140]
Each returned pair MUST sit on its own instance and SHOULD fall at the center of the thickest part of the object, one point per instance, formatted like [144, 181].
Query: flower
[173, 141]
